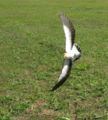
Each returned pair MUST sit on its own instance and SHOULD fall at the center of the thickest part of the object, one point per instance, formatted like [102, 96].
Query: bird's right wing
[69, 32]
[64, 74]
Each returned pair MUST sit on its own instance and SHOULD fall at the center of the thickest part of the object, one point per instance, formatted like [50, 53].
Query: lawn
[31, 57]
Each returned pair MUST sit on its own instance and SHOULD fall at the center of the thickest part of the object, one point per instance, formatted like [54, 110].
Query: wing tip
[55, 87]
[63, 18]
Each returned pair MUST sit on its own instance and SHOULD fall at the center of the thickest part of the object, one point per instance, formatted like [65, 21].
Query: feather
[64, 74]
[69, 31]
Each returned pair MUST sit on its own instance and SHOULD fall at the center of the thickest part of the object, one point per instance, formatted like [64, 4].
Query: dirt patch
[50, 112]
[38, 104]
[39, 111]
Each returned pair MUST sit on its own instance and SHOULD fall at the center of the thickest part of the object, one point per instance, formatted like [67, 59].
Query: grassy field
[31, 56]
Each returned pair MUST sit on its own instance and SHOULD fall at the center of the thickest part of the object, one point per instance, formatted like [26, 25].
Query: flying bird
[72, 51]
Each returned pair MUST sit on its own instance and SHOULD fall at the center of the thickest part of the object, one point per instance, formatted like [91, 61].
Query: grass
[31, 53]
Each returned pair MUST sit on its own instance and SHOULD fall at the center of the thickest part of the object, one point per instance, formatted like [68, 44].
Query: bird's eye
[78, 48]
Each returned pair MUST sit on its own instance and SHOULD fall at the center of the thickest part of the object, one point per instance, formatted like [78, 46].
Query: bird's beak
[66, 55]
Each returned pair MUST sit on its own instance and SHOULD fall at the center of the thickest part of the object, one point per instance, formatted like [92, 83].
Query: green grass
[31, 56]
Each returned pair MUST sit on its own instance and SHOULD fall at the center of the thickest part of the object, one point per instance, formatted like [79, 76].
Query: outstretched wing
[64, 74]
[69, 32]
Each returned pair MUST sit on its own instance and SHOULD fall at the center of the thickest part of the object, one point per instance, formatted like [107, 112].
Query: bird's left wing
[64, 74]
[69, 31]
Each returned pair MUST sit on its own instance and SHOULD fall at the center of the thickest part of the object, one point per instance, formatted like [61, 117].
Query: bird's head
[76, 52]
[78, 47]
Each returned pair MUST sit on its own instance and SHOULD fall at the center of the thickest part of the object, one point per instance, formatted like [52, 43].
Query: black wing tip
[55, 87]
[59, 84]
[61, 14]
[64, 17]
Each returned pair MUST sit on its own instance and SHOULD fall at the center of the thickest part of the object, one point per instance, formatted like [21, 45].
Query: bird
[72, 51]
